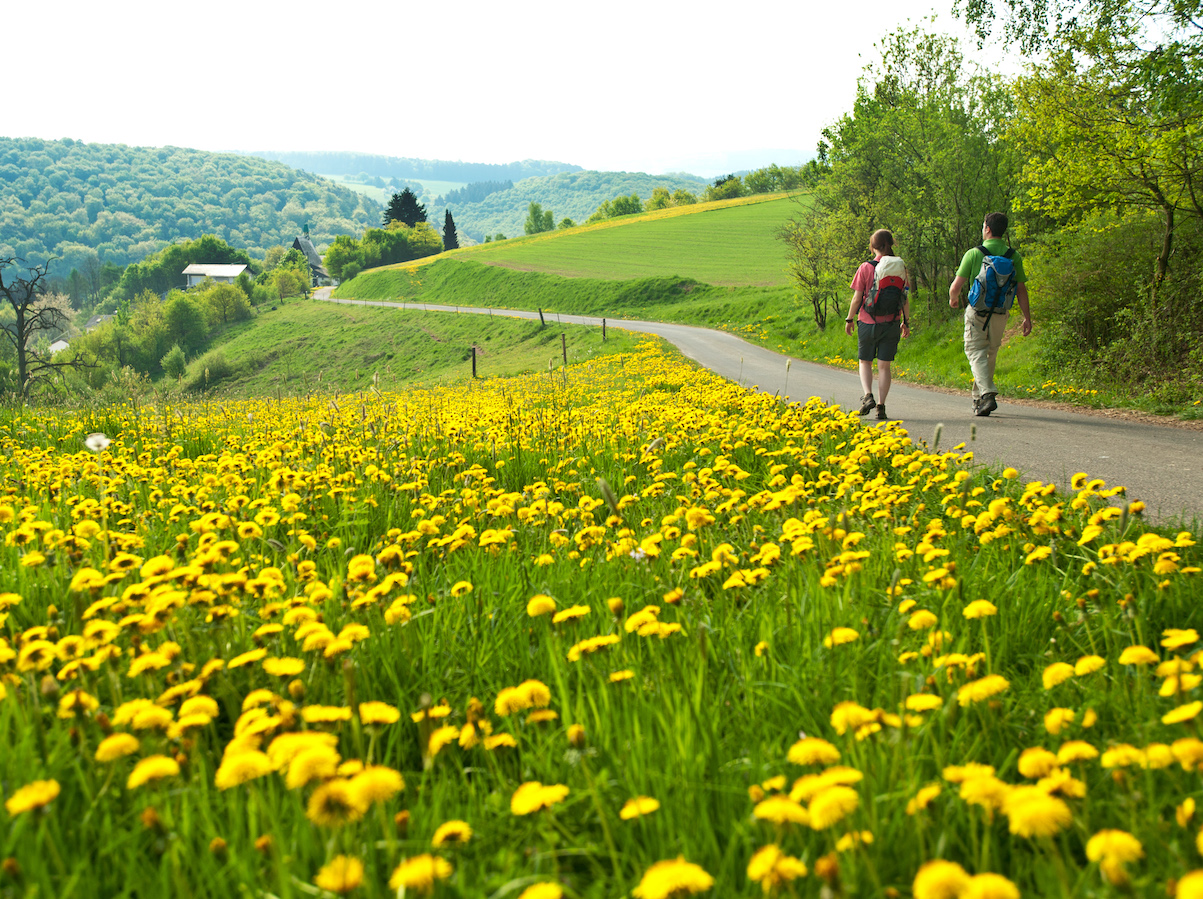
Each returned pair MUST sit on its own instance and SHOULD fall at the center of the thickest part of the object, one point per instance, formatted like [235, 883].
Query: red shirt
[863, 281]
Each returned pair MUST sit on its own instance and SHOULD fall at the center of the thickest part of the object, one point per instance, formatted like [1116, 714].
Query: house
[317, 271]
[58, 346]
[199, 271]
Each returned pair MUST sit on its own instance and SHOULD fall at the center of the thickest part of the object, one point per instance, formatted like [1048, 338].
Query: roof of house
[211, 270]
[315, 260]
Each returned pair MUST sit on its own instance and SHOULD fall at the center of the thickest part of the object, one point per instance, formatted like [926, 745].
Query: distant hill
[402, 168]
[89, 203]
[575, 195]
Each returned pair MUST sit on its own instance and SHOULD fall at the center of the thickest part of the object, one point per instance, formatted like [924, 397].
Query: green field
[721, 245]
[308, 346]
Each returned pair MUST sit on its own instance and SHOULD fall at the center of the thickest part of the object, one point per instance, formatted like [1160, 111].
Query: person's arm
[1021, 296]
[858, 297]
[955, 289]
[906, 305]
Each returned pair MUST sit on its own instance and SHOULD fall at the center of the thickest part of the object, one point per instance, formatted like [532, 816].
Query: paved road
[1162, 466]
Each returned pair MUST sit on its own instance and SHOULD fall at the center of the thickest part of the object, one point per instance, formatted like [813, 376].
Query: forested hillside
[574, 195]
[397, 167]
[91, 204]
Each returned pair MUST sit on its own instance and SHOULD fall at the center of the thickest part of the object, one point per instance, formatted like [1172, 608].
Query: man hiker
[996, 271]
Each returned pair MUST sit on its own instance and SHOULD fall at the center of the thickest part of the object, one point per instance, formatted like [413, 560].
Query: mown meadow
[620, 629]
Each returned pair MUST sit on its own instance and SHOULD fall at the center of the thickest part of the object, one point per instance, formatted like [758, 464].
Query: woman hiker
[881, 311]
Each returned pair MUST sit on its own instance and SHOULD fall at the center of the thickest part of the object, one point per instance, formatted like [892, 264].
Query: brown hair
[997, 223]
[882, 241]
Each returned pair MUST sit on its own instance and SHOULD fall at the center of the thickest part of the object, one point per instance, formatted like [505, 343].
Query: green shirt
[971, 264]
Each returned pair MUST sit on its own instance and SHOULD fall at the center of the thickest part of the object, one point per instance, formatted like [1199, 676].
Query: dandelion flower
[672, 878]
[1057, 673]
[32, 796]
[375, 783]
[540, 605]
[116, 746]
[333, 804]
[341, 876]
[239, 767]
[839, 636]
[813, 751]
[1031, 812]
[420, 873]
[923, 798]
[542, 891]
[990, 886]
[773, 869]
[534, 796]
[1116, 845]
[1138, 655]
[1088, 665]
[781, 810]
[638, 807]
[983, 688]
[980, 608]
[832, 806]
[451, 832]
[153, 767]
[1182, 713]
[940, 880]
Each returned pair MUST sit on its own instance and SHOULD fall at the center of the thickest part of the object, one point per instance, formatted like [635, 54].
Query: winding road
[1159, 465]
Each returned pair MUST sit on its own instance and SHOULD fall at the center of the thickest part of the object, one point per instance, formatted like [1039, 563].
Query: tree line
[1094, 154]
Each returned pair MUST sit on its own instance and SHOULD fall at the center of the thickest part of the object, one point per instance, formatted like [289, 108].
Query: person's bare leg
[866, 376]
[883, 381]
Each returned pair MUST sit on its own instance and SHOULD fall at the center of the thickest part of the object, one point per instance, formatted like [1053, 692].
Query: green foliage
[120, 204]
[187, 321]
[225, 303]
[538, 220]
[566, 223]
[619, 206]
[347, 257]
[919, 154]
[404, 208]
[450, 237]
[174, 363]
[163, 271]
[726, 187]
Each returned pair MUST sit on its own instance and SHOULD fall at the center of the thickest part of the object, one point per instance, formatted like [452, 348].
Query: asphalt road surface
[1160, 465]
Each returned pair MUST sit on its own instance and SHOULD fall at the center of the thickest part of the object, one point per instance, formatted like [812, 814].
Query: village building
[199, 271]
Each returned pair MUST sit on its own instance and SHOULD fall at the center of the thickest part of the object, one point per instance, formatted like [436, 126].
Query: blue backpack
[993, 291]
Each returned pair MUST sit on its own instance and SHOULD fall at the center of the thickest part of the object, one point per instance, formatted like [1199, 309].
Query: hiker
[998, 279]
[881, 310]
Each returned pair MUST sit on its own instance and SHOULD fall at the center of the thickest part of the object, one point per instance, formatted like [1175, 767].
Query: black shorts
[879, 341]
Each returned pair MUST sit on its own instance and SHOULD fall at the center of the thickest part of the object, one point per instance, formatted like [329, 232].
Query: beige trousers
[981, 348]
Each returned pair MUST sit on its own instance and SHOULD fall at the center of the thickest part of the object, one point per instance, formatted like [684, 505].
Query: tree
[1035, 24]
[34, 312]
[661, 199]
[539, 220]
[343, 251]
[187, 324]
[405, 208]
[226, 303]
[450, 238]
[566, 223]
[725, 187]
[174, 363]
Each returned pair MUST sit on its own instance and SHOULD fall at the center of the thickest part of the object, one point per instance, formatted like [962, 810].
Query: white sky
[635, 85]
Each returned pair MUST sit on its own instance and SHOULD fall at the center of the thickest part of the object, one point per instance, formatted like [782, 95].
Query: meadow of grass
[730, 244]
[306, 346]
[621, 629]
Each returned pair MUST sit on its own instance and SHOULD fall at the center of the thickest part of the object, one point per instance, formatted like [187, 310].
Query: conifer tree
[404, 207]
[450, 237]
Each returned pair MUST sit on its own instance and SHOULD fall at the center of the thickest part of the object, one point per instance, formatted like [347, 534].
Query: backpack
[885, 296]
[993, 291]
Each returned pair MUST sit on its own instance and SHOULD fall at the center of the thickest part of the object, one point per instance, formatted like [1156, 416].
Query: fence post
[564, 348]
[473, 360]
[542, 324]
[603, 330]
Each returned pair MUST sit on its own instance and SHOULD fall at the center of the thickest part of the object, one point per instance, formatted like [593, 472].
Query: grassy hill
[574, 195]
[307, 346]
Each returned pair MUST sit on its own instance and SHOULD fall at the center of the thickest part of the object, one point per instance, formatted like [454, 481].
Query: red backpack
[885, 296]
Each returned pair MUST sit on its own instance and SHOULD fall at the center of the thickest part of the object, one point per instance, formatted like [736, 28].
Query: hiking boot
[986, 404]
[867, 404]
[881, 412]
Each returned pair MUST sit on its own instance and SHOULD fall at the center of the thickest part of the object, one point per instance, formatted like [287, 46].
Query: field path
[1160, 465]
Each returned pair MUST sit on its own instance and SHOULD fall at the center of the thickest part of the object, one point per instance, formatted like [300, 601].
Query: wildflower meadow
[620, 629]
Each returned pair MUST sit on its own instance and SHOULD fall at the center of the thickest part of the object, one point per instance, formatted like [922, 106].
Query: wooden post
[603, 330]
[564, 348]
[473, 360]
[542, 324]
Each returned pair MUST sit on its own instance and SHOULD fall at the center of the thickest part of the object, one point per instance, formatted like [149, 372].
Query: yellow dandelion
[420, 873]
[638, 807]
[451, 832]
[32, 796]
[151, 768]
[116, 746]
[672, 878]
[342, 875]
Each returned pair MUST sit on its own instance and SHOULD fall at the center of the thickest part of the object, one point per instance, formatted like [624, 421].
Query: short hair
[882, 241]
[997, 223]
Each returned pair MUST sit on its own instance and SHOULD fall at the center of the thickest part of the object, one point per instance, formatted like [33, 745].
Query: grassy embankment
[308, 346]
[717, 265]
